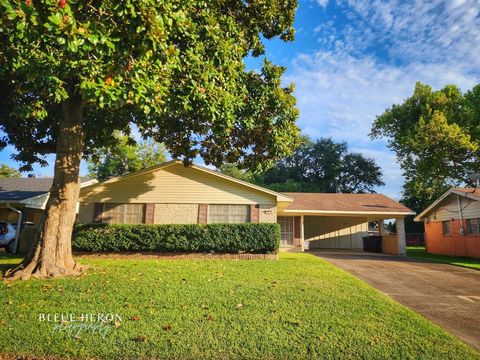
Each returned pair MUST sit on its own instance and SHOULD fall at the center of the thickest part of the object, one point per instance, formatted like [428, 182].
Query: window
[473, 226]
[447, 227]
[286, 229]
[228, 214]
[123, 213]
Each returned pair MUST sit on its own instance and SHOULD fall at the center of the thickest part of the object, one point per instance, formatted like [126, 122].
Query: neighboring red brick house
[452, 223]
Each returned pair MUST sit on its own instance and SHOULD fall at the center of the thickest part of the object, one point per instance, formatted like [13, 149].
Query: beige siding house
[174, 194]
[171, 193]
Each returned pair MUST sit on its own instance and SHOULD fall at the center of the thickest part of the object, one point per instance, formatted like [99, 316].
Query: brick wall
[268, 213]
[176, 213]
[453, 244]
[86, 213]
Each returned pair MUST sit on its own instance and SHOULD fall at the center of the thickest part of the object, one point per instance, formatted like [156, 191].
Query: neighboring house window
[228, 214]
[447, 227]
[123, 213]
[473, 226]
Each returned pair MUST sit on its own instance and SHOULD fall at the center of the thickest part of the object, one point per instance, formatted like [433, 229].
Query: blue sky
[352, 59]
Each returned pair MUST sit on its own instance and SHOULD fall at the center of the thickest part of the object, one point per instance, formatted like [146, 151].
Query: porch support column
[302, 234]
[381, 229]
[401, 238]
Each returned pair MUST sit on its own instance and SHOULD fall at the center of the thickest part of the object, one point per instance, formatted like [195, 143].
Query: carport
[340, 221]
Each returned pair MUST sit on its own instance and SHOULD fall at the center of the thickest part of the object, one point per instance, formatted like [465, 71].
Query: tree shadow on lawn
[8, 261]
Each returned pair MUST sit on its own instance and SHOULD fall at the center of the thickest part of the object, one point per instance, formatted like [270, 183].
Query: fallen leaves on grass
[135, 318]
[140, 338]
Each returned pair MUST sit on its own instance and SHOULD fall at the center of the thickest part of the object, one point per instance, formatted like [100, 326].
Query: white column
[401, 240]
[381, 229]
[302, 234]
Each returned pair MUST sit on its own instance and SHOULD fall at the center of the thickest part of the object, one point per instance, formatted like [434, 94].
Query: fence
[415, 239]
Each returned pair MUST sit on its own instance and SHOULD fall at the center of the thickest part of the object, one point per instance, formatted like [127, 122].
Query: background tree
[317, 166]
[74, 72]
[125, 157]
[436, 137]
[8, 172]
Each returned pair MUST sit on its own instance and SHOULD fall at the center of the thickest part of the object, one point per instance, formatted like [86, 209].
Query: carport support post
[302, 234]
[401, 238]
[381, 230]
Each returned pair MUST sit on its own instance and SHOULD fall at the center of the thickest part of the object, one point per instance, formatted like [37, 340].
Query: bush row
[221, 238]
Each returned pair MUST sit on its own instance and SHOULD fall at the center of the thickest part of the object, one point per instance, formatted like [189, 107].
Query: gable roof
[471, 193]
[280, 196]
[355, 204]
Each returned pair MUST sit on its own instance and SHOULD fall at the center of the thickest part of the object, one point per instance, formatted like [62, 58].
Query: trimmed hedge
[221, 238]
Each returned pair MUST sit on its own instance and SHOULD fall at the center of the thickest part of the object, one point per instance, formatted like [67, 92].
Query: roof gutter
[338, 212]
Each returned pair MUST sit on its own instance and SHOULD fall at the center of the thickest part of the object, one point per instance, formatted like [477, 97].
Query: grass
[297, 307]
[420, 253]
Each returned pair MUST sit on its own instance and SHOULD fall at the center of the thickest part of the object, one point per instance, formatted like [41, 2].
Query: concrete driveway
[447, 295]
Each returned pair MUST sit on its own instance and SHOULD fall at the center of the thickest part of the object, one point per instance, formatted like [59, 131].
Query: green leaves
[56, 18]
[176, 70]
[229, 238]
[322, 166]
[435, 137]
[123, 157]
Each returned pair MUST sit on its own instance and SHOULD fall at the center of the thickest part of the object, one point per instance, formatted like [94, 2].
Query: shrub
[222, 238]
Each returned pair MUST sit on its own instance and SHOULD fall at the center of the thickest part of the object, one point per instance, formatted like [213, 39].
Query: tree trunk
[52, 254]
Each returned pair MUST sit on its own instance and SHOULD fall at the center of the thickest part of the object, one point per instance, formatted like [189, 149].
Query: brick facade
[267, 213]
[150, 213]
[254, 213]
[176, 213]
[297, 230]
[453, 244]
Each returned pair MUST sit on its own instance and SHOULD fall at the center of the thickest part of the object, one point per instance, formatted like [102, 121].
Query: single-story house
[171, 193]
[452, 223]
[23, 200]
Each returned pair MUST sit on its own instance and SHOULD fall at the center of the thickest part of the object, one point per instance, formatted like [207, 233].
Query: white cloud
[435, 31]
[322, 3]
[340, 95]
[372, 57]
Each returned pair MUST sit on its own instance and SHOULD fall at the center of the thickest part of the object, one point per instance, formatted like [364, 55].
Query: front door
[286, 230]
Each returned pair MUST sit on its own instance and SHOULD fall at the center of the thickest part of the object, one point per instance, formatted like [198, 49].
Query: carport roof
[13, 189]
[19, 189]
[345, 204]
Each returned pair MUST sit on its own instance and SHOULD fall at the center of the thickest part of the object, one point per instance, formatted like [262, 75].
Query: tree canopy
[436, 137]
[73, 73]
[322, 165]
[174, 68]
[125, 157]
[8, 172]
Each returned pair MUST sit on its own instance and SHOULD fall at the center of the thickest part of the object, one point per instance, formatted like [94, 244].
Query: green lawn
[297, 307]
[420, 253]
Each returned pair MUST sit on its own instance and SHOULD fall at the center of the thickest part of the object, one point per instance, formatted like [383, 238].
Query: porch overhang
[340, 213]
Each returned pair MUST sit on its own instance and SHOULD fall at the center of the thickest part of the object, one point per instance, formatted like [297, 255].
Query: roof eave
[437, 202]
[341, 212]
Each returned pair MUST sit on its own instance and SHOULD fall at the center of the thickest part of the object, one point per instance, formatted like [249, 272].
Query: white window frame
[125, 213]
[224, 214]
[449, 223]
[477, 225]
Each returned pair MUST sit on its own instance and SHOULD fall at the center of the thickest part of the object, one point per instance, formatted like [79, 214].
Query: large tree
[436, 137]
[322, 165]
[74, 72]
[125, 157]
[8, 172]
